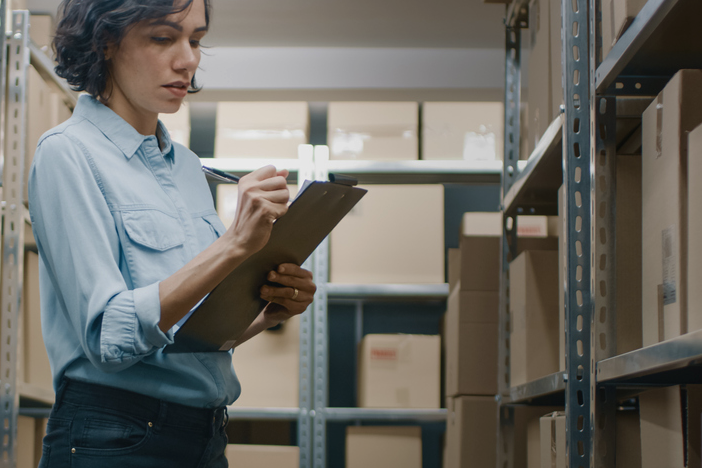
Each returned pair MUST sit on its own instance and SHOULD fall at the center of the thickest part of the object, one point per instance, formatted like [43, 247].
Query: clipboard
[225, 314]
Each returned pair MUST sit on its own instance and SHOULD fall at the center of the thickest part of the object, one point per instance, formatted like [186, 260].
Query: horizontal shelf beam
[535, 191]
[236, 412]
[35, 396]
[389, 414]
[682, 355]
[538, 389]
[342, 292]
[45, 67]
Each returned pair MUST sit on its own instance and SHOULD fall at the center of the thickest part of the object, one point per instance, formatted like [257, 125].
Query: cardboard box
[617, 16]
[383, 447]
[30, 432]
[41, 30]
[533, 444]
[553, 440]
[628, 251]
[628, 439]
[394, 235]
[694, 207]
[666, 123]
[373, 130]
[556, 62]
[263, 456]
[524, 416]
[661, 428]
[539, 79]
[178, 125]
[471, 343]
[463, 130]
[399, 371]
[36, 367]
[271, 130]
[268, 368]
[533, 298]
[480, 244]
[471, 432]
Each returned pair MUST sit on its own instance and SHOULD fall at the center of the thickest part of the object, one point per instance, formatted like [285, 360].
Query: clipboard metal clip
[343, 180]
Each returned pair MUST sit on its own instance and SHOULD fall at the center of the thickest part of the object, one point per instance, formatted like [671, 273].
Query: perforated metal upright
[13, 226]
[319, 317]
[306, 382]
[505, 435]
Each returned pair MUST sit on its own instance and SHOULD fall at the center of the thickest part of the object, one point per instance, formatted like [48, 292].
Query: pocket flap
[153, 229]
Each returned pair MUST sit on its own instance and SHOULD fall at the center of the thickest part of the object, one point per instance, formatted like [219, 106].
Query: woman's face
[153, 66]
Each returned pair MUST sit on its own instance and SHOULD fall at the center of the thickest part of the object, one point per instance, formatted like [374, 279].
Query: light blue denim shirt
[114, 214]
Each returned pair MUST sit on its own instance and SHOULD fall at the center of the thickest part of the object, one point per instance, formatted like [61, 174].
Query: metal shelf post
[577, 84]
[319, 317]
[13, 228]
[505, 450]
[304, 422]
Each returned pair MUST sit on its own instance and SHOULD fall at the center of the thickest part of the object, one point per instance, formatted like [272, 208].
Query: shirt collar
[117, 130]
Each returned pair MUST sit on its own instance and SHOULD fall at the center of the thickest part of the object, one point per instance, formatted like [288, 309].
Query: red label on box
[383, 354]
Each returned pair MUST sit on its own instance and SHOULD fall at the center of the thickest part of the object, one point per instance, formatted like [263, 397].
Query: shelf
[351, 292]
[420, 172]
[34, 396]
[45, 67]
[661, 40]
[678, 361]
[518, 14]
[236, 412]
[549, 390]
[390, 414]
[535, 191]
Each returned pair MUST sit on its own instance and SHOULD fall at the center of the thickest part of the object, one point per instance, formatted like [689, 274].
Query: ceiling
[348, 23]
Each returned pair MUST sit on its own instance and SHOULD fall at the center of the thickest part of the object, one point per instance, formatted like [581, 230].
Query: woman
[129, 243]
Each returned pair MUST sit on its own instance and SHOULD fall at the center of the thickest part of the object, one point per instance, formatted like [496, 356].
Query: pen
[220, 175]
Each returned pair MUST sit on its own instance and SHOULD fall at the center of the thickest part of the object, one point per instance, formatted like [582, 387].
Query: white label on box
[669, 265]
[479, 146]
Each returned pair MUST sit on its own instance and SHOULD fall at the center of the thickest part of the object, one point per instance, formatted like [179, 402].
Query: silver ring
[296, 292]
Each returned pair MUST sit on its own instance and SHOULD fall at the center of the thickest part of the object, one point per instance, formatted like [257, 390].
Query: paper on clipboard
[232, 306]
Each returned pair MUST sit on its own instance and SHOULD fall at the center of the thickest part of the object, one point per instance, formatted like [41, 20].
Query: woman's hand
[263, 198]
[293, 298]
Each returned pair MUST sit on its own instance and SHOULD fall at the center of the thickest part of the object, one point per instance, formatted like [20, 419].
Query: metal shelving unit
[660, 41]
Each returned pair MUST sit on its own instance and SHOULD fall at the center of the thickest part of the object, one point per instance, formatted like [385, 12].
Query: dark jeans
[103, 427]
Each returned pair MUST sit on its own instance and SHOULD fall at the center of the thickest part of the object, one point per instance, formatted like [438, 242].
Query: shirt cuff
[147, 303]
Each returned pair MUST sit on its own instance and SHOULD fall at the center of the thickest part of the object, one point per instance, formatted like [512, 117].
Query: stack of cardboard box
[263, 456]
[373, 130]
[383, 447]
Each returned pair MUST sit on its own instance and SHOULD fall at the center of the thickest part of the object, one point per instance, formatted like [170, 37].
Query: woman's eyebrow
[174, 25]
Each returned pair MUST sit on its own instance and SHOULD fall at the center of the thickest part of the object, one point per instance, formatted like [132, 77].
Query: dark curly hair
[87, 27]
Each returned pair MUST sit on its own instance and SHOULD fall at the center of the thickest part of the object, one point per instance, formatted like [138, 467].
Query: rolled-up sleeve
[80, 249]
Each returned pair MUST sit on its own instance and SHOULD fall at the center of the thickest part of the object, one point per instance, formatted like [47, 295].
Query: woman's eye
[160, 39]
[194, 43]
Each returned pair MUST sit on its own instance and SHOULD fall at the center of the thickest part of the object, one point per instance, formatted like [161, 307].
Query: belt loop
[162, 415]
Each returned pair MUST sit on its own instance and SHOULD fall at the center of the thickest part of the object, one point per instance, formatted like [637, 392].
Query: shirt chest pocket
[153, 244]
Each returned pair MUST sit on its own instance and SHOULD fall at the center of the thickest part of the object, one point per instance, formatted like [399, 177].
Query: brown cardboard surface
[628, 440]
[261, 129]
[617, 15]
[383, 447]
[523, 415]
[555, 57]
[661, 428]
[41, 30]
[534, 316]
[471, 432]
[37, 370]
[263, 456]
[628, 249]
[471, 343]
[694, 197]
[676, 111]
[454, 267]
[462, 130]
[553, 440]
[533, 444]
[268, 368]
[539, 79]
[394, 235]
[399, 371]
[373, 130]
